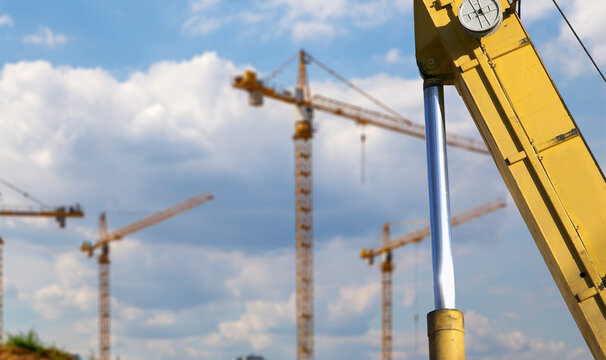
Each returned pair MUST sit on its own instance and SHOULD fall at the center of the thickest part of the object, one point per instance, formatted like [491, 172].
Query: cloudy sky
[126, 107]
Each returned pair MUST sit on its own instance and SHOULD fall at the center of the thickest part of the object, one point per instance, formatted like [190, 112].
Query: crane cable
[280, 69]
[25, 194]
[579, 39]
[354, 87]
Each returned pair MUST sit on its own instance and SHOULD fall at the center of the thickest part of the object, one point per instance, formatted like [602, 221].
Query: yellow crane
[305, 104]
[483, 50]
[387, 266]
[105, 238]
[60, 213]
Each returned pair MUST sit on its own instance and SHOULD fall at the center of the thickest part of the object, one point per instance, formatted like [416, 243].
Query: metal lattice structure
[304, 219]
[105, 238]
[387, 306]
[104, 306]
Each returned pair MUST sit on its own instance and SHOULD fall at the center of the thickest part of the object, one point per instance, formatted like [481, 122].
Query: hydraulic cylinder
[445, 324]
[445, 331]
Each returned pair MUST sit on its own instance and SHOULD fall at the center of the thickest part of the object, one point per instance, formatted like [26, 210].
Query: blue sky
[127, 106]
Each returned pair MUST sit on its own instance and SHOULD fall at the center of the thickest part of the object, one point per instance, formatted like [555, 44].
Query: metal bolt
[431, 64]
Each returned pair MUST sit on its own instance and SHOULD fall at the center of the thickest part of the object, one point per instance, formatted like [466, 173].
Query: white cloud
[535, 10]
[257, 325]
[201, 25]
[200, 5]
[394, 56]
[45, 37]
[484, 339]
[161, 347]
[589, 27]
[46, 300]
[328, 19]
[354, 301]
[304, 20]
[74, 288]
[313, 30]
[6, 20]
[163, 318]
[60, 108]
[182, 122]
[565, 52]
[315, 8]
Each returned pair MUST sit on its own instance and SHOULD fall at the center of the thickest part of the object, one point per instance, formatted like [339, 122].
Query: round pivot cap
[480, 18]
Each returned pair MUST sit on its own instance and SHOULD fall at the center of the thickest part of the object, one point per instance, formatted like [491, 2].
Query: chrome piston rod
[439, 203]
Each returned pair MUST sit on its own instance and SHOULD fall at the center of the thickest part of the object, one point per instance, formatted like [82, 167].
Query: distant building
[250, 357]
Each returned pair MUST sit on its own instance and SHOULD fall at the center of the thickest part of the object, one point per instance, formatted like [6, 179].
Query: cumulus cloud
[257, 325]
[160, 134]
[201, 25]
[484, 339]
[71, 114]
[162, 318]
[313, 30]
[536, 10]
[199, 5]
[6, 20]
[565, 51]
[354, 301]
[45, 37]
[74, 288]
[395, 57]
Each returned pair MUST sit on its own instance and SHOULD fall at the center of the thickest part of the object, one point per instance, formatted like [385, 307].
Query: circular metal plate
[480, 18]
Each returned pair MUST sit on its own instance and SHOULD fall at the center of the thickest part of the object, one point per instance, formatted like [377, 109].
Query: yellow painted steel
[446, 333]
[554, 179]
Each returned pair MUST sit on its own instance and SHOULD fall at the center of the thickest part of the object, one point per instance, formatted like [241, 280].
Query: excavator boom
[550, 171]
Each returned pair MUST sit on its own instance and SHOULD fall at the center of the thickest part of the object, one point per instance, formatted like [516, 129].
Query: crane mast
[387, 268]
[304, 216]
[105, 238]
[538, 148]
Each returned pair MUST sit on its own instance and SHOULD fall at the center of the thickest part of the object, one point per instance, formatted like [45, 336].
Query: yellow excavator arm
[540, 152]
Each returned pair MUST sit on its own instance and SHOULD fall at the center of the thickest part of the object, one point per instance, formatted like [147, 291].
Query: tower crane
[105, 238]
[305, 103]
[60, 213]
[389, 245]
